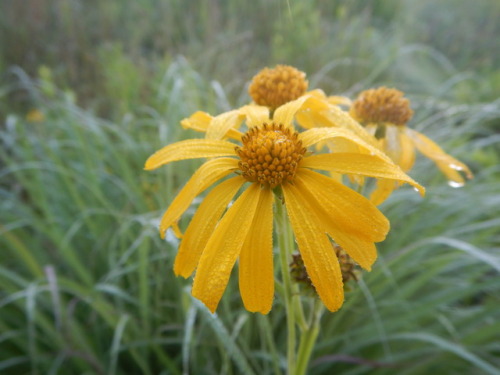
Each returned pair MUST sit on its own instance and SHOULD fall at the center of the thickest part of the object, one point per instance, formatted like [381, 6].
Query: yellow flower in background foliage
[385, 112]
[271, 157]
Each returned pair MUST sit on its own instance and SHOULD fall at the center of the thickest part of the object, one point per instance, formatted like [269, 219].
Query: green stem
[285, 252]
[308, 339]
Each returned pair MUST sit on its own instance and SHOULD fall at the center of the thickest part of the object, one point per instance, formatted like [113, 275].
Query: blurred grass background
[89, 89]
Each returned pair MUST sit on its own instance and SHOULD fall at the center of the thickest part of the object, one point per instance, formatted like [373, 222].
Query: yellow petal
[336, 117]
[371, 128]
[198, 121]
[310, 119]
[392, 143]
[223, 248]
[203, 223]
[408, 152]
[382, 191]
[359, 164]
[221, 124]
[204, 177]
[349, 210]
[256, 275]
[313, 136]
[339, 100]
[190, 149]
[327, 208]
[201, 121]
[316, 249]
[256, 115]
[286, 113]
[448, 164]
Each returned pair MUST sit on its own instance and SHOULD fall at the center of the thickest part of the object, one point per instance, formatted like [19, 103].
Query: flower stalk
[297, 358]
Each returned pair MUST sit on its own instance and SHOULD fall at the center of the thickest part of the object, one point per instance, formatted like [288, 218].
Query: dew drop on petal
[455, 184]
[456, 167]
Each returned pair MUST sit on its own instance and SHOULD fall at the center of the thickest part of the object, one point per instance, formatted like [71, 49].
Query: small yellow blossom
[385, 112]
[35, 115]
[270, 157]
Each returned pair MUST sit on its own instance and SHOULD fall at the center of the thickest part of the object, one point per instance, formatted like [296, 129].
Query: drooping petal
[448, 164]
[382, 191]
[203, 224]
[371, 128]
[407, 152]
[359, 164]
[313, 136]
[286, 113]
[256, 276]
[350, 211]
[359, 248]
[190, 149]
[223, 248]
[391, 143]
[205, 176]
[316, 249]
[223, 123]
[324, 207]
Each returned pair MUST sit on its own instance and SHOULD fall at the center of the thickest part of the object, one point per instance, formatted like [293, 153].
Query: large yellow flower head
[270, 157]
[385, 112]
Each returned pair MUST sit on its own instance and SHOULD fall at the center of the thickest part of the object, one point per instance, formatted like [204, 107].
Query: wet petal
[190, 149]
[316, 249]
[205, 176]
[359, 164]
[256, 275]
[407, 159]
[350, 211]
[391, 143]
[223, 248]
[448, 164]
[336, 117]
[382, 191]
[313, 136]
[286, 113]
[223, 123]
[327, 208]
[203, 224]
[198, 121]
[201, 121]
[256, 115]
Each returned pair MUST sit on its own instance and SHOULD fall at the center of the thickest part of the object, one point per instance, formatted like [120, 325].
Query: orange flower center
[270, 154]
[275, 87]
[382, 105]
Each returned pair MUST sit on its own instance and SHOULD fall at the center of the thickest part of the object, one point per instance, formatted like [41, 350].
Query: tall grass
[86, 285]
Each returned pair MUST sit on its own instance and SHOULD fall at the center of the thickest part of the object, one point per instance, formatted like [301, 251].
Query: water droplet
[455, 184]
[456, 167]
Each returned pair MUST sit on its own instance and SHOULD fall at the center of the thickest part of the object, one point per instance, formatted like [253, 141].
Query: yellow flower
[385, 112]
[271, 154]
[35, 115]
